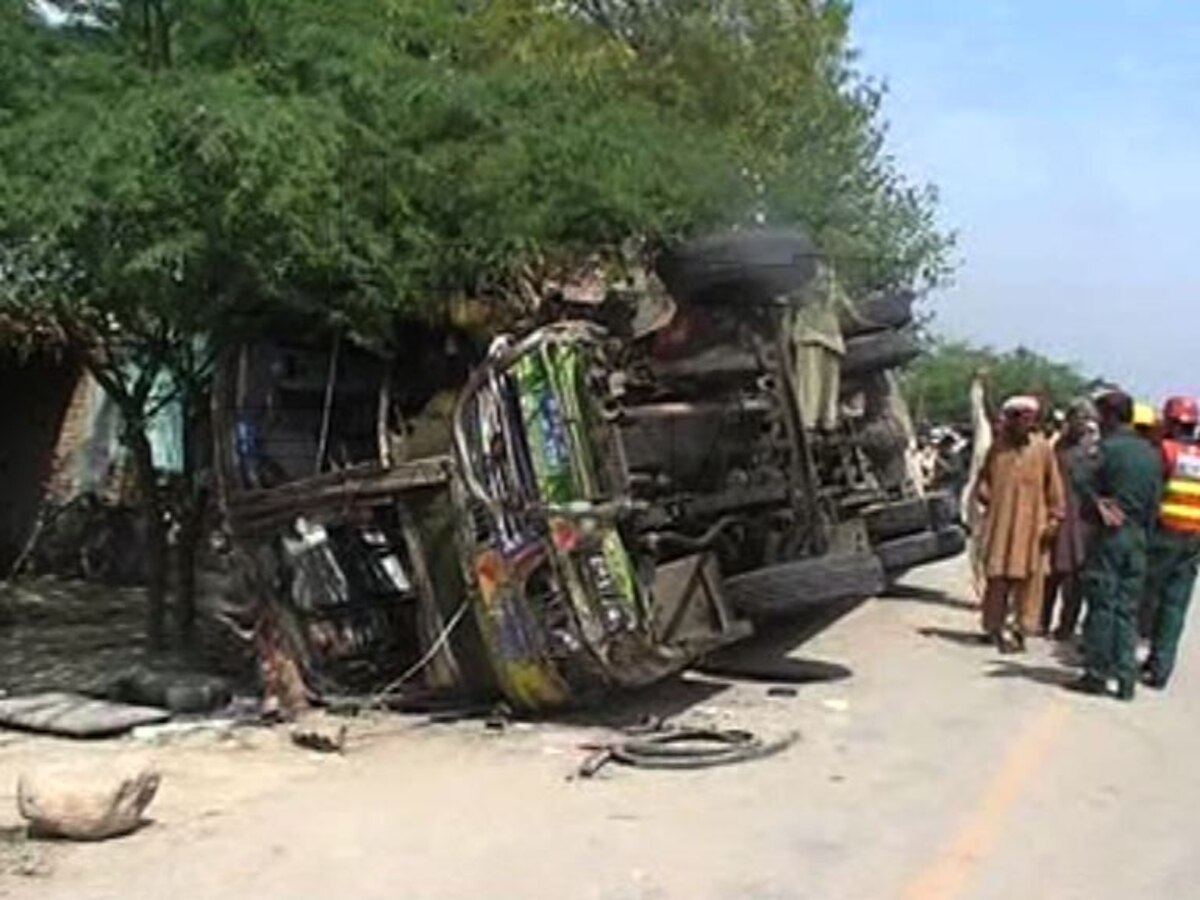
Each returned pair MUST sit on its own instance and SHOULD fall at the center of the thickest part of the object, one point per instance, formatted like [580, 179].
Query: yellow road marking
[950, 873]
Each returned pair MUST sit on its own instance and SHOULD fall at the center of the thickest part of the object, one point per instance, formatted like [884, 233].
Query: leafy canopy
[169, 167]
[938, 384]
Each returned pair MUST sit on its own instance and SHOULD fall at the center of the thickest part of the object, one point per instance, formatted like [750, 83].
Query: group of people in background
[1100, 511]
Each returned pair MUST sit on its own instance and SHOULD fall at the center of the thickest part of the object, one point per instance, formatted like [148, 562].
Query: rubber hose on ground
[696, 749]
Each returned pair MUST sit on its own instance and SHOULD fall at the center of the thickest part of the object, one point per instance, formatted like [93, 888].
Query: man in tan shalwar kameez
[818, 348]
[1021, 488]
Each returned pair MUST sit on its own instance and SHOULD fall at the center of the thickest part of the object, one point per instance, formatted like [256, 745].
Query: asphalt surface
[937, 770]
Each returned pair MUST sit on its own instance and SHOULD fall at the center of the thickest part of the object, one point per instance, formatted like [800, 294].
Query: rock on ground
[86, 804]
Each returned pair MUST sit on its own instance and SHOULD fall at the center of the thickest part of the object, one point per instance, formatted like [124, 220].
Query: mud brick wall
[34, 396]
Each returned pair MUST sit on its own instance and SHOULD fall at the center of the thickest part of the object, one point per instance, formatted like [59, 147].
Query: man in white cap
[1021, 490]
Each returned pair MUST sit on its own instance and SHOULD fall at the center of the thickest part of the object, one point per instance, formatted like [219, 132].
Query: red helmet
[1182, 411]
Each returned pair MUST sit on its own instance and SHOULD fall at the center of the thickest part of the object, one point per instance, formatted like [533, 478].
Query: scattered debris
[86, 804]
[782, 692]
[321, 738]
[73, 715]
[499, 718]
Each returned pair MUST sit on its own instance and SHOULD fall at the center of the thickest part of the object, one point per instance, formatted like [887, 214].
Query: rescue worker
[1146, 425]
[1145, 420]
[1124, 495]
[1022, 493]
[1175, 544]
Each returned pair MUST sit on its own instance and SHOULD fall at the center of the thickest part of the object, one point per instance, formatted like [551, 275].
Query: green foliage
[938, 384]
[778, 79]
[353, 162]
[173, 163]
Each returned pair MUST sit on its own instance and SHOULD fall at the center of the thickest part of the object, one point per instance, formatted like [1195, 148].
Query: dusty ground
[937, 771]
[72, 635]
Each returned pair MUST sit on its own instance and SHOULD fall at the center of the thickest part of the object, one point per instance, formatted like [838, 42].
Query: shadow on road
[764, 658]
[928, 595]
[657, 703]
[767, 657]
[776, 640]
[1048, 675]
[786, 670]
[1068, 653]
[956, 636]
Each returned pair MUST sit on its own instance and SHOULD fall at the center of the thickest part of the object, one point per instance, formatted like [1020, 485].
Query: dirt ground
[937, 770]
[72, 635]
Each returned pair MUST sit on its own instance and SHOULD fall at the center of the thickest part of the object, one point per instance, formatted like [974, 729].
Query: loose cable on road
[688, 748]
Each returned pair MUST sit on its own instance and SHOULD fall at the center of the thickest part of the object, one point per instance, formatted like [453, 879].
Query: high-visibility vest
[1180, 510]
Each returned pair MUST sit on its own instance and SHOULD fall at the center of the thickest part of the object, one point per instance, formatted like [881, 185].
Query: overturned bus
[589, 507]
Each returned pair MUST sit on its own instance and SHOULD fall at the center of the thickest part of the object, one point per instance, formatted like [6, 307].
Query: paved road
[937, 771]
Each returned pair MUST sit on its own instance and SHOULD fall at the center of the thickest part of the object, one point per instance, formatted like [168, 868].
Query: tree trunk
[190, 511]
[185, 591]
[156, 535]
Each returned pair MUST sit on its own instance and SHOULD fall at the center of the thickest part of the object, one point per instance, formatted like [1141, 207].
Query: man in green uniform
[1125, 495]
[1175, 543]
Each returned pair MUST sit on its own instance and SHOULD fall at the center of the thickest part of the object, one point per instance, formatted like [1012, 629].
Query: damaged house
[69, 493]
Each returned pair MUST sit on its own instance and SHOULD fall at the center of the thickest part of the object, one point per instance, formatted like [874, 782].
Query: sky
[1064, 137]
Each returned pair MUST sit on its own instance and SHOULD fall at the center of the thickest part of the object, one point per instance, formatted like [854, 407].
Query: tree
[805, 126]
[937, 385]
[145, 202]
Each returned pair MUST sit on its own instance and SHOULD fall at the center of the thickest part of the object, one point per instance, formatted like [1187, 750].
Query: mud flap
[690, 607]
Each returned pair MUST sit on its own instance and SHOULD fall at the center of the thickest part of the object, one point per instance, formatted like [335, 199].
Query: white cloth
[1021, 403]
[981, 427]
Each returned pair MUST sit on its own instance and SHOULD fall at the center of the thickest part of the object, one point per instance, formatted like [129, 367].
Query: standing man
[1022, 493]
[1175, 543]
[950, 470]
[818, 348]
[1077, 453]
[1125, 495]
